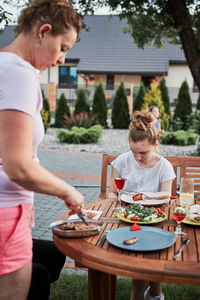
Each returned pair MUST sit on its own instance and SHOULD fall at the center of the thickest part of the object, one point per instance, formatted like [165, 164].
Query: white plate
[129, 199]
[85, 212]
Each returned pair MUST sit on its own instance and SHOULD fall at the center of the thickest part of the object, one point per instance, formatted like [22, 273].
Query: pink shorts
[15, 237]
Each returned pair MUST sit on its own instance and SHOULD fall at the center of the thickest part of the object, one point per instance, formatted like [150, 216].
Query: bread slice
[161, 195]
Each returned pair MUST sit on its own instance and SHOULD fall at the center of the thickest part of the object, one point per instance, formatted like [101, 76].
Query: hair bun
[142, 120]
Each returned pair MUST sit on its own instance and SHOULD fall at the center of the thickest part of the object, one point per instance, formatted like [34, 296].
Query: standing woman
[47, 30]
[145, 170]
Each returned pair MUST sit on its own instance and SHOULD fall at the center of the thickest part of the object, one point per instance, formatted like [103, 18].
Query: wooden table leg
[101, 286]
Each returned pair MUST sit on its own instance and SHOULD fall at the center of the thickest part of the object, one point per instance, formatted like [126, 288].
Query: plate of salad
[137, 213]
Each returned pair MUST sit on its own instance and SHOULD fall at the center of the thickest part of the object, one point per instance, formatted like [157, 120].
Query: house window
[68, 77]
[110, 82]
[147, 80]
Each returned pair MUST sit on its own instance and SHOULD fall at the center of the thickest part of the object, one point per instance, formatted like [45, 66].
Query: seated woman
[145, 170]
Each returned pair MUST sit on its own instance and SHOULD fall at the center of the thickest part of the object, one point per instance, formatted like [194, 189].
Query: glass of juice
[186, 192]
[179, 215]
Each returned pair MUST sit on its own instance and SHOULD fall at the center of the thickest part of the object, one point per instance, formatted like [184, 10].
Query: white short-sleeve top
[19, 90]
[140, 179]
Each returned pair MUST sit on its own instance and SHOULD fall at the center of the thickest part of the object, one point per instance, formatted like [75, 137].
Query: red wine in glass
[119, 183]
[179, 216]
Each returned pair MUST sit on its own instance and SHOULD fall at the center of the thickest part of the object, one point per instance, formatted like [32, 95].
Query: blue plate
[149, 238]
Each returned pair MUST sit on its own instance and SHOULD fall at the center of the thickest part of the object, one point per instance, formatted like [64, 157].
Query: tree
[148, 21]
[139, 98]
[120, 109]
[184, 104]
[99, 107]
[165, 95]
[62, 109]
[81, 104]
[4, 16]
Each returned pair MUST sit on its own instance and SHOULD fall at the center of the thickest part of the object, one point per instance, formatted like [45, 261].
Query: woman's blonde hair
[58, 13]
[152, 108]
[142, 127]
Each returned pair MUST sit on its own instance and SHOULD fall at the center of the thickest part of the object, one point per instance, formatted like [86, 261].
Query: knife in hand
[183, 244]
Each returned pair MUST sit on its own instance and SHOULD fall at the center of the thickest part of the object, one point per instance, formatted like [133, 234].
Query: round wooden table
[105, 262]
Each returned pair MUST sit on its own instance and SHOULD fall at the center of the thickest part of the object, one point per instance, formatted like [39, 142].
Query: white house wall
[177, 74]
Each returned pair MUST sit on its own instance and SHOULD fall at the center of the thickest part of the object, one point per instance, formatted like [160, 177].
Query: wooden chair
[183, 167]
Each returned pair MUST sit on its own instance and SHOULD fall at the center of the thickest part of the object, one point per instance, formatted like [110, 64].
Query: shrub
[120, 109]
[176, 124]
[192, 121]
[139, 98]
[79, 120]
[165, 95]
[80, 135]
[99, 107]
[46, 106]
[62, 109]
[179, 137]
[184, 104]
[198, 103]
[44, 115]
[81, 104]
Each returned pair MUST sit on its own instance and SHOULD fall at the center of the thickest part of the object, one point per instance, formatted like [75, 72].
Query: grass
[74, 287]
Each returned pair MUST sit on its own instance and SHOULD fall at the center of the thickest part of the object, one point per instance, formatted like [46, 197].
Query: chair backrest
[183, 167]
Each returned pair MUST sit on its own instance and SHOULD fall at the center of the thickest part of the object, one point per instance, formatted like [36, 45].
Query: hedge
[179, 137]
[80, 135]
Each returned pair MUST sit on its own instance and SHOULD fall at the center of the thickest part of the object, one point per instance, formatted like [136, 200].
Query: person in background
[47, 30]
[155, 111]
[145, 170]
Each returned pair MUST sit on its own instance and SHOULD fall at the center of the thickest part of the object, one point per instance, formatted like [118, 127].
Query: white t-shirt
[19, 90]
[140, 179]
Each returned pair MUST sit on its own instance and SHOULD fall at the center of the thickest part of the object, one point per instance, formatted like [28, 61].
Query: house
[105, 53]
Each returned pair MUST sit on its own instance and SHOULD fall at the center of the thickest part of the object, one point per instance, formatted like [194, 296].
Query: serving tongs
[82, 217]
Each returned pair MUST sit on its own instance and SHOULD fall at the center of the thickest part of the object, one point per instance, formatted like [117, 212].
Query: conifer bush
[62, 109]
[120, 109]
[165, 95]
[82, 103]
[99, 107]
[154, 97]
[45, 112]
[139, 98]
[184, 104]
[46, 106]
[198, 103]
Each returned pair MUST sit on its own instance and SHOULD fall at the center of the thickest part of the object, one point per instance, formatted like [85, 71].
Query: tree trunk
[180, 15]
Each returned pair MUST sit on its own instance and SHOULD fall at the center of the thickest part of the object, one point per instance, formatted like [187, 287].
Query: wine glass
[179, 215]
[119, 181]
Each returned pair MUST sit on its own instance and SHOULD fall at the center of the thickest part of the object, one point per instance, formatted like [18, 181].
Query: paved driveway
[77, 168]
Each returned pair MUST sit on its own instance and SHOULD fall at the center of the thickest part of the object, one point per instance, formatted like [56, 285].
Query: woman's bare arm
[16, 134]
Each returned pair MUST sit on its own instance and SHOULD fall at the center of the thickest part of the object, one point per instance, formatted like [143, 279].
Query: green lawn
[74, 287]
